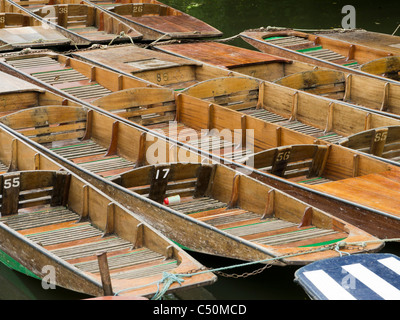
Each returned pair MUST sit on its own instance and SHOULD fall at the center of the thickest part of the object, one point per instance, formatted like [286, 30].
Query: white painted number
[166, 171]
[11, 182]
[283, 156]
[137, 9]
[380, 136]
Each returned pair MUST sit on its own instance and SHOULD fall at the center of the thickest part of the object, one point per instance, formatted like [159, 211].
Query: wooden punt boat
[325, 120]
[376, 40]
[314, 49]
[237, 216]
[53, 221]
[156, 20]
[17, 94]
[84, 24]
[68, 77]
[248, 62]
[157, 68]
[342, 164]
[19, 30]
[381, 95]
[85, 81]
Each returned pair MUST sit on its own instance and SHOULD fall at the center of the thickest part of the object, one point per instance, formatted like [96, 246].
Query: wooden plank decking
[60, 231]
[253, 227]
[380, 191]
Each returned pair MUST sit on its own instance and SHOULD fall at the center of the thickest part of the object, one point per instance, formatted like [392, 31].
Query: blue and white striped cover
[356, 277]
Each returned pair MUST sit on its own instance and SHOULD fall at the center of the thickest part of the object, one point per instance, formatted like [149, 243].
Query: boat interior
[312, 46]
[319, 118]
[82, 81]
[233, 203]
[82, 19]
[249, 62]
[46, 207]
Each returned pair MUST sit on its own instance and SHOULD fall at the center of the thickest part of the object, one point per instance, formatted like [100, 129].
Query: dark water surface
[232, 17]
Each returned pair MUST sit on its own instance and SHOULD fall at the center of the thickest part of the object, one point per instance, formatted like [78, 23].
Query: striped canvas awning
[357, 277]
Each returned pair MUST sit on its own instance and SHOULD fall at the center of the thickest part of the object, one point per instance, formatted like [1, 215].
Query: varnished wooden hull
[248, 62]
[376, 40]
[196, 234]
[156, 20]
[192, 233]
[55, 224]
[343, 56]
[382, 96]
[196, 114]
[82, 23]
[18, 31]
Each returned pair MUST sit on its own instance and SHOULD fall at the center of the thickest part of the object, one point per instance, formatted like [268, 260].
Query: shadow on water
[17, 286]
[233, 17]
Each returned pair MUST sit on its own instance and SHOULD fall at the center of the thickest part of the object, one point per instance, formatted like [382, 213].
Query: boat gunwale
[85, 41]
[193, 149]
[330, 64]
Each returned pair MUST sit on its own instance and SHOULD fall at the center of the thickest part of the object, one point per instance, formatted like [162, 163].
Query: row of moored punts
[127, 137]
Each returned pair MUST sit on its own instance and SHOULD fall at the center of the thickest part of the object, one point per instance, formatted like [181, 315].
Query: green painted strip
[273, 38]
[15, 265]
[181, 246]
[62, 70]
[329, 135]
[308, 180]
[310, 49]
[66, 147]
[322, 243]
[351, 64]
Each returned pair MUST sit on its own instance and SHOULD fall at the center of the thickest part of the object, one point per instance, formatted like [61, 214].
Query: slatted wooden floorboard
[214, 144]
[308, 47]
[295, 125]
[91, 156]
[78, 243]
[65, 78]
[249, 225]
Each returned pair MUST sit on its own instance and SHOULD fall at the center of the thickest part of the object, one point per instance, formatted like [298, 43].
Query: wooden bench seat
[382, 142]
[139, 9]
[327, 83]
[299, 162]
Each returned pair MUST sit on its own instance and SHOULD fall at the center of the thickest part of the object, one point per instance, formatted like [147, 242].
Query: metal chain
[243, 275]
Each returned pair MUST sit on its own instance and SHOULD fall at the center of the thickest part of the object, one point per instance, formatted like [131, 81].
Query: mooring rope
[122, 34]
[169, 278]
[396, 30]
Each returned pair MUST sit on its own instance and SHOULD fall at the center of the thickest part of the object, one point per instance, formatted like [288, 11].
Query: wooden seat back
[140, 9]
[15, 20]
[388, 67]
[48, 124]
[382, 142]
[160, 181]
[292, 161]
[232, 92]
[327, 83]
[23, 189]
[141, 105]
[68, 15]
